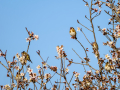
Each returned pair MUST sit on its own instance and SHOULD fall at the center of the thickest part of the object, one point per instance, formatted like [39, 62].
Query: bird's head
[71, 27]
[23, 53]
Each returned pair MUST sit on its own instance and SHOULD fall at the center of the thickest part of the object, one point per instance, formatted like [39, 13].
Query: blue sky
[51, 20]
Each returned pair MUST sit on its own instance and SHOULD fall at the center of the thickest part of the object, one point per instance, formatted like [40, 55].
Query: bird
[95, 46]
[73, 33]
[27, 56]
[18, 76]
[107, 66]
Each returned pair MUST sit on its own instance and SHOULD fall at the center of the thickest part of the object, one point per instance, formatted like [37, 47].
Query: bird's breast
[72, 34]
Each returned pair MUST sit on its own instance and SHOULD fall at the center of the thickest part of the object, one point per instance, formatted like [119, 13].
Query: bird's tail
[75, 37]
[30, 61]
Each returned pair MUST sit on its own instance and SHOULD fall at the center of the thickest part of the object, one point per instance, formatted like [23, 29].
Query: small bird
[95, 46]
[27, 56]
[73, 33]
[18, 76]
[107, 66]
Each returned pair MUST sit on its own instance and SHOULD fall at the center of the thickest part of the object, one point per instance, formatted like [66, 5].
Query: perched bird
[18, 76]
[73, 33]
[107, 66]
[27, 57]
[95, 46]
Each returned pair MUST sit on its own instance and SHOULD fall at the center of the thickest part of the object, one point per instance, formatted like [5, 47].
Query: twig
[28, 46]
[82, 47]
[60, 72]
[77, 54]
[96, 15]
[8, 70]
[86, 37]
[87, 18]
[85, 64]
[85, 27]
[71, 78]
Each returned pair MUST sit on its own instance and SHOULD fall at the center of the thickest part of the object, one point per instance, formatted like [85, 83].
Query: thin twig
[82, 47]
[77, 54]
[71, 78]
[28, 46]
[60, 72]
[86, 37]
[85, 64]
[8, 70]
[85, 27]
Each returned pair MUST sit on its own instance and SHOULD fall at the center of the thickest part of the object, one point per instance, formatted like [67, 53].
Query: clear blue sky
[51, 20]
